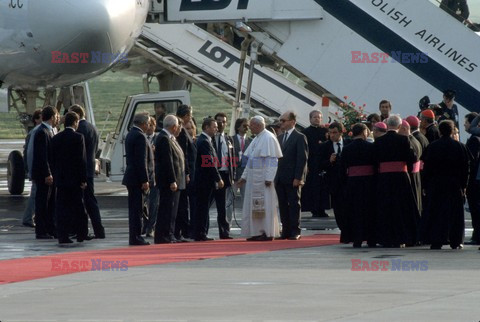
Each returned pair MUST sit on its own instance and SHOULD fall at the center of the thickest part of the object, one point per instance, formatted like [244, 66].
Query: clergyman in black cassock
[315, 196]
[473, 187]
[414, 173]
[446, 168]
[358, 163]
[397, 211]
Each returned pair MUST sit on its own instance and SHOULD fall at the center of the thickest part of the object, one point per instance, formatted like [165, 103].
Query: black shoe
[226, 237]
[181, 240]
[28, 224]
[296, 237]
[255, 238]
[83, 238]
[324, 215]
[265, 238]
[164, 241]
[316, 214]
[436, 246]
[357, 245]
[65, 241]
[204, 238]
[139, 241]
[44, 236]
[456, 246]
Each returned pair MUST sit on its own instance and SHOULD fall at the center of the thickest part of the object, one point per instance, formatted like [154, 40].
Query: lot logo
[94, 57]
[194, 5]
[218, 54]
[394, 265]
[95, 264]
[359, 57]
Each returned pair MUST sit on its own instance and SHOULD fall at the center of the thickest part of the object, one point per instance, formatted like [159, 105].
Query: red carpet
[118, 259]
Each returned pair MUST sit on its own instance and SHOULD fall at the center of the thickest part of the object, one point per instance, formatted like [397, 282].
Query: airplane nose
[106, 26]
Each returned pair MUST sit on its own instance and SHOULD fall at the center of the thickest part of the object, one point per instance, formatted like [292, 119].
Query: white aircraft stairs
[212, 64]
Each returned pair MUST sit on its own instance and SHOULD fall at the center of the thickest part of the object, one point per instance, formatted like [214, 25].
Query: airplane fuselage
[52, 43]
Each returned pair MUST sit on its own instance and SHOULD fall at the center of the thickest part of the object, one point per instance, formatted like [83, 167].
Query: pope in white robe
[260, 206]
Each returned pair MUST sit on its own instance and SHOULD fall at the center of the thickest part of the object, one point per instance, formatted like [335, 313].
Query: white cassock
[260, 205]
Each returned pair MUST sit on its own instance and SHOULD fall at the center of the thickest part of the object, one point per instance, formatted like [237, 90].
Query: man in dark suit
[70, 178]
[329, 155]
[170, 177]
[42, 174]
[139, 157]
[223, 146]
[91, 138]
[182, 223]
[207, 178]
[290, 176]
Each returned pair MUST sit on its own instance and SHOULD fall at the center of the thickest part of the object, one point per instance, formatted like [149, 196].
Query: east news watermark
[94, 264]
[393, 265]
[93, 57]
[359, 57]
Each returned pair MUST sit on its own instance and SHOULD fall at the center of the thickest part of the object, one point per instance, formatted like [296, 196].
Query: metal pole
[253, 60]
[238, 94]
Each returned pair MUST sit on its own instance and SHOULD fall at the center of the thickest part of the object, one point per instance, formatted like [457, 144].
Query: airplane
[48, 43]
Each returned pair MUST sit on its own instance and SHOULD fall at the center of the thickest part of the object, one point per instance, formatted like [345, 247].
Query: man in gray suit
[170, 177]
[290, 177]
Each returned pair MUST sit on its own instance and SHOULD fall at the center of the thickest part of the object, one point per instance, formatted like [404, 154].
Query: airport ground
[315, 279]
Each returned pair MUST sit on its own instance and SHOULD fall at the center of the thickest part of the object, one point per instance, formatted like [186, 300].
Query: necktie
[242, 144]
[219, 148]
[214, 145]
[285, 138]
[339, 151]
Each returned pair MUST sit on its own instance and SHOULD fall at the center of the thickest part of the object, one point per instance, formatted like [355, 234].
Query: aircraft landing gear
[15, 173]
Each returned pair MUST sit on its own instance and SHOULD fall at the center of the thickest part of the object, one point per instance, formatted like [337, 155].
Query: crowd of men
[392, 183]
[61, 167]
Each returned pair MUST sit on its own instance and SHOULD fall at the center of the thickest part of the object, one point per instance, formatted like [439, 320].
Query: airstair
[336, 51]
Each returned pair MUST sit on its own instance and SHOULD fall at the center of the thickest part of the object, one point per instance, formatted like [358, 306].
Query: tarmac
[327, 283]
